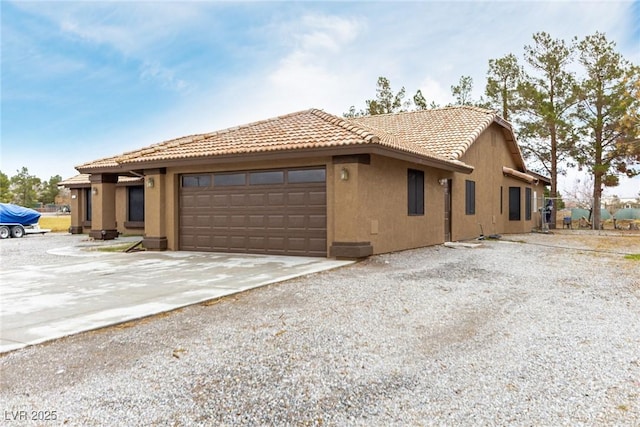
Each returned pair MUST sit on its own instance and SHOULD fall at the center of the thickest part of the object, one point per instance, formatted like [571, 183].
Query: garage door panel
[187, 221]
[276, 199]
[236, 200]
[257, 243]
[256, 221]
[236, 220]
[203, 200]
[256, 199]
[220, 241]
[220, 199]
[203, 221]
[277, 243]
[220, 220]
[297, 244]
[263, 218]
[318, 245]
[237, 242]
[297, 199]
[317, 222]
[187, 241]
[317, 198]
[203, 241]
[187, 200]
[296, 222]
[276, 221]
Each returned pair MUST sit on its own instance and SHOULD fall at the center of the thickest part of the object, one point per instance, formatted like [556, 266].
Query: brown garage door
[282, 211]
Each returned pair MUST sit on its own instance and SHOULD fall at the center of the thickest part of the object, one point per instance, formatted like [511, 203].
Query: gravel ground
[542, 330]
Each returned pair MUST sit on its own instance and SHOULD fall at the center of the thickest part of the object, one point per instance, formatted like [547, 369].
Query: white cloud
[137, 31]
[311, 57]
[129, 28]
[166, 77]
[314, 60]
[432, 90]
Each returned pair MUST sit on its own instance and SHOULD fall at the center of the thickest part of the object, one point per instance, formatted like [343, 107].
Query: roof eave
[125, 168]
[544, 179]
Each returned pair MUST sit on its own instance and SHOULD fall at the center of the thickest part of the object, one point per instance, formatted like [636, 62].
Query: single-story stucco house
[311, 183]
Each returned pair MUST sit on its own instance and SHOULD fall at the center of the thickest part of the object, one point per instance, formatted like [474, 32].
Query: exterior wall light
[94, 191]
[344, 174]
[150, 182]
[443, 181]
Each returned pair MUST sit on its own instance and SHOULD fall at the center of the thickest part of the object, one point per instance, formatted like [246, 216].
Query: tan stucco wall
[78, 210]
[103, 212]
[488, 155]
[372, 206]
[155, 204]
[77, 205]
[122, 213]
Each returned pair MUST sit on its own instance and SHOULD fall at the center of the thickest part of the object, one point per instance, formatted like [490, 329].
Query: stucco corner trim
[155, 243]
[103, 234]
[351, 249]
[134, 224]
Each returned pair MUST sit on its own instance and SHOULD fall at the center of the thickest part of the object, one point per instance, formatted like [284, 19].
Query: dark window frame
[515, 203]
[266, 177]
[469, 197]
[135, 203]
[230, 179]
[306, 176]
[202, 180]
[415, 192]
[87, 204]
[527, 203]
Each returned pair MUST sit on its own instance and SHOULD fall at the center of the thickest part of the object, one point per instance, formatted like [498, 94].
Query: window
[470, 197]
[306, 175]
[514, 203]
[229, 179]
[415, 188]
[196, 180]
[269, 177]
[87, 204]
[527, 204]
[135, 203]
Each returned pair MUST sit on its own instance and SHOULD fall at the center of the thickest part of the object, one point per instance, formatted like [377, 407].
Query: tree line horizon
[561, 120]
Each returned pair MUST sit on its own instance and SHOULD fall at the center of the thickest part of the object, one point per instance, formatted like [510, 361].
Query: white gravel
[509, 333]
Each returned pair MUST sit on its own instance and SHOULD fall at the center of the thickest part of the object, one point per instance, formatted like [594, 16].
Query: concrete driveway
[85, 290]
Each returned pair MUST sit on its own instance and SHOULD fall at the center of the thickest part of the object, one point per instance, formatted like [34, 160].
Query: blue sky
[84, 80]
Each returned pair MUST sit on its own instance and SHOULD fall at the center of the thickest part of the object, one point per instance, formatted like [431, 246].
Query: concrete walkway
[89, 290]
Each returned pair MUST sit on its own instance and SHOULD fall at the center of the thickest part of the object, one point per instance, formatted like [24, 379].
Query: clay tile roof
[83, 180]
[441, 134]
[101, 163]
[446, 132]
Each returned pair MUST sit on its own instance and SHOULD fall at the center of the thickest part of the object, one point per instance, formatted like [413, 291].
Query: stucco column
[349, 240]
[155, 233]
[76, 211]
[103, 206]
